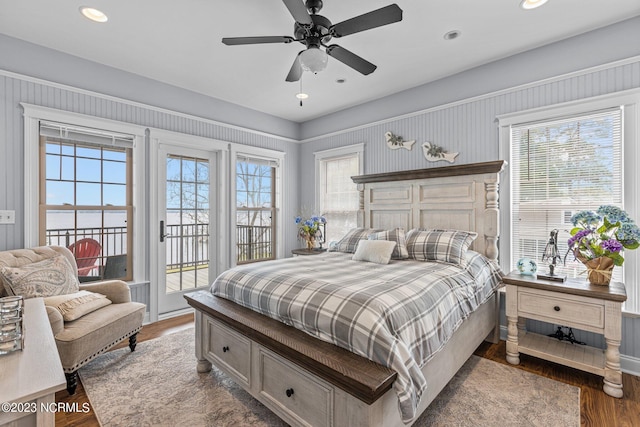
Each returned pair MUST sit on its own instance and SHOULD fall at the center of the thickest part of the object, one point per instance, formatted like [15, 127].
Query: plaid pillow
[440, 245]
[350, 240]
[396, 235]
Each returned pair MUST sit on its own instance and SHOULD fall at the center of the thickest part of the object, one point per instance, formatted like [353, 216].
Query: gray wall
[457, 113]
[15, 89]
[37, 61]
[463, 118]
[601, 46]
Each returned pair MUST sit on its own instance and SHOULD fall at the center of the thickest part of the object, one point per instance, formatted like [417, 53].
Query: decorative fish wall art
[394, 142]
[434, 153]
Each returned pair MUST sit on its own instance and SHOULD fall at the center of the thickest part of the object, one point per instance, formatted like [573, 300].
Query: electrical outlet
[7, 217]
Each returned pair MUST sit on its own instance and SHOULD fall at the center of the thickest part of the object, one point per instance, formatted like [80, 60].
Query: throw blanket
[398, 315]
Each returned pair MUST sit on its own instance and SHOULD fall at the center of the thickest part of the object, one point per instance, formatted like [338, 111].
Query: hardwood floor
[596, 408]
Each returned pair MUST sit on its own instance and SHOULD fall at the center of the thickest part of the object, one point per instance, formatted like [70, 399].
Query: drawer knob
[289, 392]
[556, 308]
[225, 349]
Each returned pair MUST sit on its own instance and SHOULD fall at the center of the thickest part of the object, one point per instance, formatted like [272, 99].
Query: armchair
[82, 339]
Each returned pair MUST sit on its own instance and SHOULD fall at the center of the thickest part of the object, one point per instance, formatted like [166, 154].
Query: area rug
[157, 385]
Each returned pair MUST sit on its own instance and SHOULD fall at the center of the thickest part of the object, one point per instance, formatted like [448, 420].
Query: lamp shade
[313, 59]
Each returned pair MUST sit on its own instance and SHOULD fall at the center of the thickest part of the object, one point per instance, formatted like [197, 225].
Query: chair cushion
[49, 277]
[94, 333]
[73, 306]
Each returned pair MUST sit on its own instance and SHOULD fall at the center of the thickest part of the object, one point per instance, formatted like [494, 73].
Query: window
[560, 167]
[564, 159]
[255, 209]
[86, 198]
[337, 194]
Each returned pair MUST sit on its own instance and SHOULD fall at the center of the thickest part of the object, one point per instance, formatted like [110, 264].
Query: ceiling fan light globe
[531, 4]
[314, 60]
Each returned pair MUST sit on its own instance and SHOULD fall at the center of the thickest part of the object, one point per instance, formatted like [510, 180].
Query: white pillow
[378, 251]
[74, 306]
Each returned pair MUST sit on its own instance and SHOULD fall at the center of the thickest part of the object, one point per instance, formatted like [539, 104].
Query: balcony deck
[188, 280]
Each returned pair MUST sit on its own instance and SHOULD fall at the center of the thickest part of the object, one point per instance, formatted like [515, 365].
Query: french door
[186, 224]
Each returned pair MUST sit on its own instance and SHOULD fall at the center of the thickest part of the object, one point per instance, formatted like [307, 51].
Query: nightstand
[305, 251]
[574, 303]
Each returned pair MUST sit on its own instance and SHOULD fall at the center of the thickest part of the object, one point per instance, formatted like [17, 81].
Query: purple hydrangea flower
[611, 245]
[578, 236]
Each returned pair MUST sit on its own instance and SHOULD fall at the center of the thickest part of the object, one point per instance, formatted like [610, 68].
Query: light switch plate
[7, 217]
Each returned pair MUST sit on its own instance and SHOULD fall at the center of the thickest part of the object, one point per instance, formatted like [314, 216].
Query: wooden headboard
[461, 197]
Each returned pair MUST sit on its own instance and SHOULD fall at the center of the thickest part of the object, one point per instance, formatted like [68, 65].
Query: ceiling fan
[315, 31]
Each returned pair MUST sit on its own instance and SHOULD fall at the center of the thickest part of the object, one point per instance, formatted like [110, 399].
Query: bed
[309, 380]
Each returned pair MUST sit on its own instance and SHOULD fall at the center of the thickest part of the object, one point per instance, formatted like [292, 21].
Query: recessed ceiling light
[301, 95]
[453, 34]
[531, 4]
[93, 14]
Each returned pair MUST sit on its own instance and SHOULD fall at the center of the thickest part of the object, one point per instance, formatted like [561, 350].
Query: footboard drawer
[230, 350]
[301, 396]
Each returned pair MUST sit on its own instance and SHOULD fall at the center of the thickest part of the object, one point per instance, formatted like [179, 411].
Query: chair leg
[72, 382]
[133, 341]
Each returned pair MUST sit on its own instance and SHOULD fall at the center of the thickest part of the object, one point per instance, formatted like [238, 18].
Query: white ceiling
[178, 42]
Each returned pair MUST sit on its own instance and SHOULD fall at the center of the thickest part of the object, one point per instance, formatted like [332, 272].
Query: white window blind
[85, 135]
[339, 194]
[560, 167]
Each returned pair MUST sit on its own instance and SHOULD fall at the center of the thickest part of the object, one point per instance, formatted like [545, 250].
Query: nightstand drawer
[544, 306]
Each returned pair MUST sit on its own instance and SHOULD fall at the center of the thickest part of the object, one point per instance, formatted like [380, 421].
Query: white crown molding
[560, 77]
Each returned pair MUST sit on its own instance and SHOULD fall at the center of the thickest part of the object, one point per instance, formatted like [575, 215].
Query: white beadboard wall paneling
[470, 127]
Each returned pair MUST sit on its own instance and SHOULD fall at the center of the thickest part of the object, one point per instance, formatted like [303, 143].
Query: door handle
[162, 233]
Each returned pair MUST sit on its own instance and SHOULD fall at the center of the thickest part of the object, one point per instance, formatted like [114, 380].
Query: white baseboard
[175, 313]
[628, 364]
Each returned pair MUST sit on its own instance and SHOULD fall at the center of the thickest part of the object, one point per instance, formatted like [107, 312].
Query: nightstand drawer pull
[556, 308]
[225, 349]
[289, 392]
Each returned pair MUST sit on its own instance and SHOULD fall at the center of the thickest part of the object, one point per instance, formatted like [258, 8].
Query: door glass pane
[255, 210]
[187, 223]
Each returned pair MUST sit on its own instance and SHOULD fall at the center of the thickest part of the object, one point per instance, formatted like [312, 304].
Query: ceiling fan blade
[233, 41]
[299, 11]
[376, 18]
[351, 59]
[296, 70]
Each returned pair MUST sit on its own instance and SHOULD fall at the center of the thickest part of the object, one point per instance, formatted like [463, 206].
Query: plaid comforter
[398, 315]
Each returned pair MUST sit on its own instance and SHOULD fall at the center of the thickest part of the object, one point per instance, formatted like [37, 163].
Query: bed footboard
[308, 382]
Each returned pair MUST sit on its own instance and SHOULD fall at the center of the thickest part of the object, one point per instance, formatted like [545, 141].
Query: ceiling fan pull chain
[301, 90]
